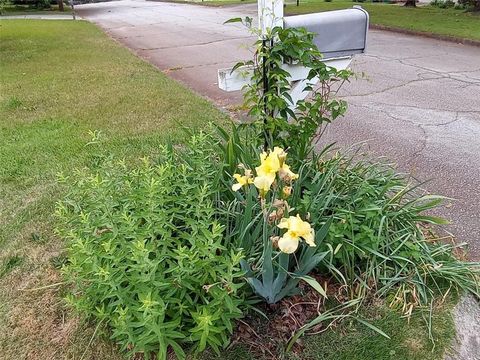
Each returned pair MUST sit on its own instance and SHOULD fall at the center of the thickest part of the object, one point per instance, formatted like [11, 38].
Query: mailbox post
[339, 36]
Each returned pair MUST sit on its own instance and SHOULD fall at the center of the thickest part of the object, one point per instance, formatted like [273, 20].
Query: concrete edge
[466, 344]
[448, 38]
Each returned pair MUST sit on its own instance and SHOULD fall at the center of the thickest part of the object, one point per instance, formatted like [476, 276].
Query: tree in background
[474, 5]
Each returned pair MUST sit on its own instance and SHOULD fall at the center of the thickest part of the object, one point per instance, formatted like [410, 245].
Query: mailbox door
[338, 33]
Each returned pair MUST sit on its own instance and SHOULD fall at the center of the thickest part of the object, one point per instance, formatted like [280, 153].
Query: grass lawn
[62, 84]
[10, 9]
[427, 19]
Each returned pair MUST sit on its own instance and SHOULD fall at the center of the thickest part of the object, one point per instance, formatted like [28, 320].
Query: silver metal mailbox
[339, 33]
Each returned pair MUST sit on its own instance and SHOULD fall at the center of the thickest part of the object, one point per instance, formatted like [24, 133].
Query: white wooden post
[270, 15]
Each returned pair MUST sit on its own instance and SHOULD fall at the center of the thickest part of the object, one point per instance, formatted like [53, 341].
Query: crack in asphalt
[419, 126]
[420, 78]
[179, 68]
[425, 108]
[197, 44]
[457, 117]
[394, 87]
[424, 138]
[444, 74]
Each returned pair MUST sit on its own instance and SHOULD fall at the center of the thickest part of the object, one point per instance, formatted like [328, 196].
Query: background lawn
[10, 9]
[424, 18]
[428, 19]
[64, 84]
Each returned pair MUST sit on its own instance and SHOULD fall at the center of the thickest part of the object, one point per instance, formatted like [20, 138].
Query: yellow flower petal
[284, 223]
[236, 187]
[310, 239]
[263, 183]
[288, 243]
[242, 180]
[269, 164]
[297, 228]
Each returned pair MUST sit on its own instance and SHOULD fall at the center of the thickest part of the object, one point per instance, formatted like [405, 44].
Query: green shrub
[443, 4]
[146, 254]
[278, 119]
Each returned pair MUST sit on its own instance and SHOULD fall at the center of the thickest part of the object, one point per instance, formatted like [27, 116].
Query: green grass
[10, 9]
[428, 19]
[61, 81]
[409, 340]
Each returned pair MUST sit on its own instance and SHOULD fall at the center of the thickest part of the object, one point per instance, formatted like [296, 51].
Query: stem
[265, 90]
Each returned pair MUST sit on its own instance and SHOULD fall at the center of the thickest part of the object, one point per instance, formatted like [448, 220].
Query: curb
[452, 39]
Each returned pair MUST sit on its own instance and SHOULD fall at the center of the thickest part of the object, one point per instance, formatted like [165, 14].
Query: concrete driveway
[419, 107]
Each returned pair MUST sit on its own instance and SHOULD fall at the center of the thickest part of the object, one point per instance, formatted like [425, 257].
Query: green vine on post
[277, 119]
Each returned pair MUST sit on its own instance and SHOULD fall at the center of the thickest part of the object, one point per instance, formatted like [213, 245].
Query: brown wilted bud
[206, 287]
[275, 241]
[280, 212]
[278, 203]
[272, 217]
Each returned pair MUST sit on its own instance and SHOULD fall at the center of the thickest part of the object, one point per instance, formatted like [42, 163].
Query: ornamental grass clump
[146, 255]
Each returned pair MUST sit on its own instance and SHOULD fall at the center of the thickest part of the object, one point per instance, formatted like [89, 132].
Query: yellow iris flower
[263, 184]
[297, 229]
[242, 180]
[269, 165]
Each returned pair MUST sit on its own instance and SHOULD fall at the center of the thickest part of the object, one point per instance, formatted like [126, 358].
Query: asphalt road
[419, 107]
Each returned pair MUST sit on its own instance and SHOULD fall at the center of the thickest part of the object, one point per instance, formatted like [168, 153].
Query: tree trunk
[477, 6]
[411, 3]
[60, 5]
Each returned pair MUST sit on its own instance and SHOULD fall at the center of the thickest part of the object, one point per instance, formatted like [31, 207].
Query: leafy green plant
[378, 242]
[146, 255]
[443, 4]
[3, 4]
[375, 242]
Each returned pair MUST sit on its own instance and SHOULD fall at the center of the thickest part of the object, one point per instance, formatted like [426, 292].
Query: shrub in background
[146, 255]
[443, 4]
